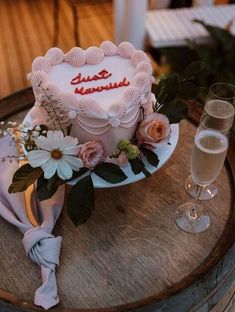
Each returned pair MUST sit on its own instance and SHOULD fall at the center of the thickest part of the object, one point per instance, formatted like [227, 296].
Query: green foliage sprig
[174, 90]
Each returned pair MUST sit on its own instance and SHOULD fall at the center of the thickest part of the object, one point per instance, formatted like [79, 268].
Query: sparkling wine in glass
[207, 158]
[219, 109]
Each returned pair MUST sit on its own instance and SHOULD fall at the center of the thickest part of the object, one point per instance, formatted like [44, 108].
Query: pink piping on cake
[143, 82]
[139, 56]
[109, 48]
[75, 57]
[38, 78]
[51, 90]
[55, 56]
[89, 107]
[117, 110]
[96, 123]
[68, 100]
[131, 96]
[126, 49]
[94, 55]
[89, 114]
[42, 64]
[131, 121]
[144, 67]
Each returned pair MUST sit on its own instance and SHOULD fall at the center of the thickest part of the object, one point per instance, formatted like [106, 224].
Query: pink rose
[91, 153]
[153, 131]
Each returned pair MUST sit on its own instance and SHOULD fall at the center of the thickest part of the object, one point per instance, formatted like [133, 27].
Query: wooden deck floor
[27, 30]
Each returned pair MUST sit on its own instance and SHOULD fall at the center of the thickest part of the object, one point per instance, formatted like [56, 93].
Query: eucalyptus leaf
[47, 188]
[167, 89]
[43, 191]
[110, 172]
[24, 177]
[175, 111]
[151, 157]
[81, 201]
[137, 165]
[146, 173]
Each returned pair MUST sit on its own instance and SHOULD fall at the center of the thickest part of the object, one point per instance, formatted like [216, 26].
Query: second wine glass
[207, 158]
[219, 108]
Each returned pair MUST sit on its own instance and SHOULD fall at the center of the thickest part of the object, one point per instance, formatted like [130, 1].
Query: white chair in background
[172, 27]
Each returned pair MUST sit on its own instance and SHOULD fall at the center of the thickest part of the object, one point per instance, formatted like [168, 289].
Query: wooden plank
[27, 31]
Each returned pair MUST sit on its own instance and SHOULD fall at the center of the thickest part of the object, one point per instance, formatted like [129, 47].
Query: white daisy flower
[54, 155]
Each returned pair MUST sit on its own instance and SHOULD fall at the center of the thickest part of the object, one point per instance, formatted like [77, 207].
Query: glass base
[191, 220]
[208, 192]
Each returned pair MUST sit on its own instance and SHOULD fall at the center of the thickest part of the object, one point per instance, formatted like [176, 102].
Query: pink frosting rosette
[92, 153]
[153, 131]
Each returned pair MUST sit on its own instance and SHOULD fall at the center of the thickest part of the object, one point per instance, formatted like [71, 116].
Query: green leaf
[24, 177]
[167, 89]
[110, 172]
[221, 35]
[81, 201]
[146, 173]
[137, 165]
[43, 190]
[175, 111]
[190, 90]
[151, 157]
[196, 72]
[47, 188]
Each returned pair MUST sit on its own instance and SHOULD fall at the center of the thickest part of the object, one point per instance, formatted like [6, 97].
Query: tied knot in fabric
[42, 247]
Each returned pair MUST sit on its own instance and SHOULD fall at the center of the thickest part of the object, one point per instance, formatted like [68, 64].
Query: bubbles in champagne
[208, 155]
[219, 109]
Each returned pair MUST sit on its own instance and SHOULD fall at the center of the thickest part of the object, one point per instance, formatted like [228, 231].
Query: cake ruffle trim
[87, 111]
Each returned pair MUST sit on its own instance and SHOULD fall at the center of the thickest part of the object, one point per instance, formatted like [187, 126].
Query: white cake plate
[163, 152]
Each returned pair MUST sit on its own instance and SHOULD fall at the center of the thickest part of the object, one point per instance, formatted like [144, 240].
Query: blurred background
[28, 28]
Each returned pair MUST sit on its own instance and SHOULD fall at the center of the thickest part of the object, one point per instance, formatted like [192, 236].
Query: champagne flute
[207, 158]
[220, 110]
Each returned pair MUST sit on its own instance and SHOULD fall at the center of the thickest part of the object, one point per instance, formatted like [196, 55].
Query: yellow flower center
[56, 154]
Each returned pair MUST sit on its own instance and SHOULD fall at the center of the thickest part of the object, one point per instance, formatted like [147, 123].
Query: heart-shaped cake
[99, 91]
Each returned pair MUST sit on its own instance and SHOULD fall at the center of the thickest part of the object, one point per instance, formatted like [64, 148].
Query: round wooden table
[130, 255]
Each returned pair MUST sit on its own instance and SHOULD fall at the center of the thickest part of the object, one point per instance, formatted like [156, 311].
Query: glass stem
[193, 213]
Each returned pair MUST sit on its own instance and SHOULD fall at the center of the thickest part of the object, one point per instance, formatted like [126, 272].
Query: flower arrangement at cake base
[96, 111]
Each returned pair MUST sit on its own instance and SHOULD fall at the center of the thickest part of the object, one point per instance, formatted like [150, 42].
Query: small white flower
[14, 123]
[2, 123]
[38, 128]
[55, 155]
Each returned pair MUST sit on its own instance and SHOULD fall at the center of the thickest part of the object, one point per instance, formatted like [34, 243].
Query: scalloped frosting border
[86, 111]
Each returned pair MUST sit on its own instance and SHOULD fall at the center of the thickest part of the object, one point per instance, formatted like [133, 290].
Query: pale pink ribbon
[40, 245]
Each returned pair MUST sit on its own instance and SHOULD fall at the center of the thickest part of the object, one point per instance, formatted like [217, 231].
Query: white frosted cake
[99, 90]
